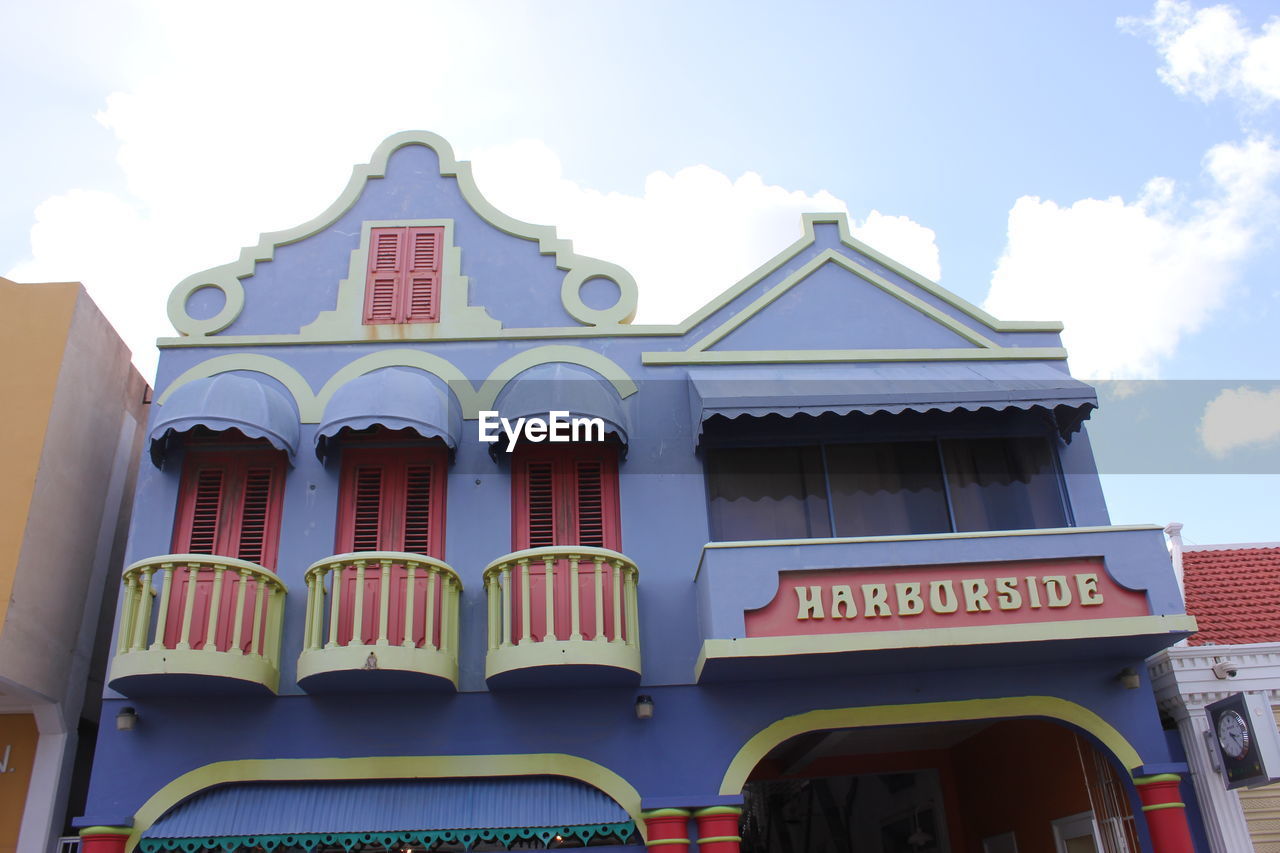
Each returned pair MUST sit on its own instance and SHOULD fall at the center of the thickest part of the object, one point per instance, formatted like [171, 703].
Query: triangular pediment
[831, 306]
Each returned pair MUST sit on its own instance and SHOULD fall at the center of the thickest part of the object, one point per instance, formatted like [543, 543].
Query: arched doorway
[987, 785]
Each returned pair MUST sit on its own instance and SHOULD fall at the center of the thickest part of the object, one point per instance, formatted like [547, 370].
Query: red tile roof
[1234, 593]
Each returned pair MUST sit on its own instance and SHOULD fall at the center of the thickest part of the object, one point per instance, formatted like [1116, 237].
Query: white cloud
[1131, 279]
[1211, 52]
[687, 236]
[1239, 418]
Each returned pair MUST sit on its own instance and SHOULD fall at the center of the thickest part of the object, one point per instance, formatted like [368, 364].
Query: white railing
[214, 616]
[564, 595]
[238, 587]
[398, 610]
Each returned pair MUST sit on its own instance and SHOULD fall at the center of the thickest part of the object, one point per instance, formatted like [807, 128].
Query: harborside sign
[845, 601]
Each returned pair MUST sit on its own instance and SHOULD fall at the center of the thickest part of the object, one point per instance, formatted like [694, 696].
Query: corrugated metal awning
[226, 401]
[388, 812]
[395, 398]
[789, 390]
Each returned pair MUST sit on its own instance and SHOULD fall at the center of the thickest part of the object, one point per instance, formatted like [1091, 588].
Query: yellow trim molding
[1051, 707]
[387, 767]
[473, 400]
[969, 635]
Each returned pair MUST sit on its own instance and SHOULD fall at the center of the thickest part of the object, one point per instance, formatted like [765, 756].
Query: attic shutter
[403, 281]
[423, 282]
[386, 277]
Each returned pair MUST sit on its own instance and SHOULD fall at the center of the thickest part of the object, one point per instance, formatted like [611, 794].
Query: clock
[1233, 734]
[1242, 731]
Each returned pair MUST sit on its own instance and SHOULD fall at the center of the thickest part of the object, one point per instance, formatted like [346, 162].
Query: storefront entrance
[999, 786]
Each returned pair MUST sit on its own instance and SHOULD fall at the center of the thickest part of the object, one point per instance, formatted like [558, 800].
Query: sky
[1113, 165]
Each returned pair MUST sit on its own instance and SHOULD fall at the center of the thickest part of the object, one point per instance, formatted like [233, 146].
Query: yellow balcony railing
[213, 619]
[380, 619]
[572, 608]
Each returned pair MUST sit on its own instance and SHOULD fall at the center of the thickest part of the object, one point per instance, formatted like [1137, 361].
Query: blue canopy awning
[226, 401]
[395, 398]
[391, 812]
[789, 390]
[563, 387]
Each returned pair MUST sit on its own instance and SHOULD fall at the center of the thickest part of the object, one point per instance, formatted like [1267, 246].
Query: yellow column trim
[927, 712]
[387, 767]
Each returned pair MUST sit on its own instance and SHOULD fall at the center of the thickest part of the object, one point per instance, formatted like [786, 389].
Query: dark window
[883, 488]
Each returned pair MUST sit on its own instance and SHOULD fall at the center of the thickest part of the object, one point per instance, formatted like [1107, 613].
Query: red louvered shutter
[589, 503]
[199, 533]
[565, 496]
[403, 281]
[254, 516]
[537, 526]
[386, 276]
[392, 499]
[366, 510]
[422, 299]
[418, 532]
[229, 504]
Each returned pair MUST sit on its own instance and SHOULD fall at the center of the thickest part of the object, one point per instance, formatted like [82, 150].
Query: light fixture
[1129, 678]
[126, 719]
[644, 707]
[919, 838]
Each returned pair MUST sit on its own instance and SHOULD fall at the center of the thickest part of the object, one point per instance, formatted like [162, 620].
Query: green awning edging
[387, 840]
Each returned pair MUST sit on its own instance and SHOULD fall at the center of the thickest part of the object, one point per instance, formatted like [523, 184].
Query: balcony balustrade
[216, 627]
[391, 622]
[563, 615]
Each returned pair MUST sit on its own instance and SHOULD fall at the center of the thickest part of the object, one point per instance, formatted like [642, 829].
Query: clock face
[1233, 734]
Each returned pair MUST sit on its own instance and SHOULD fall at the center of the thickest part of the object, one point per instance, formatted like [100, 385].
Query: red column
[718, 829]
[1165, 812]
[668, 830]
[104, 839]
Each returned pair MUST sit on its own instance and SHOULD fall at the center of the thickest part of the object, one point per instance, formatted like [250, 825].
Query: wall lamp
[644, 707]
[126, 719]
[1129, 679]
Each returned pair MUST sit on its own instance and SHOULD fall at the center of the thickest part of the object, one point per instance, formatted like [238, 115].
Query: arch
[386, 767]
[590, 359]
[284, 373]
[437, 366]
[1051, 707]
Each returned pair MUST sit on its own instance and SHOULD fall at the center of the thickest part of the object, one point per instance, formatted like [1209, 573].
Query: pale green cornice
[471, 398]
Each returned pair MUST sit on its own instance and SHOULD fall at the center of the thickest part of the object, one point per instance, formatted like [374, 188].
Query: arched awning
[560, 387]
[226, 401]
[396, 398]
[391, 813]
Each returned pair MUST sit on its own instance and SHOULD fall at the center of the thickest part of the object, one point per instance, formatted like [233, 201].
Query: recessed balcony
[380, 620]
[564, 615]
[212, 626]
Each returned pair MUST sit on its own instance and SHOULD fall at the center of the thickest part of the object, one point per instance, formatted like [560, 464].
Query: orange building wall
[18, 734]
[37, 321]
[1018, 775]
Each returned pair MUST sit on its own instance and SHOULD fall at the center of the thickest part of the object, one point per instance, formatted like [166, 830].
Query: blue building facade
[440, 551]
